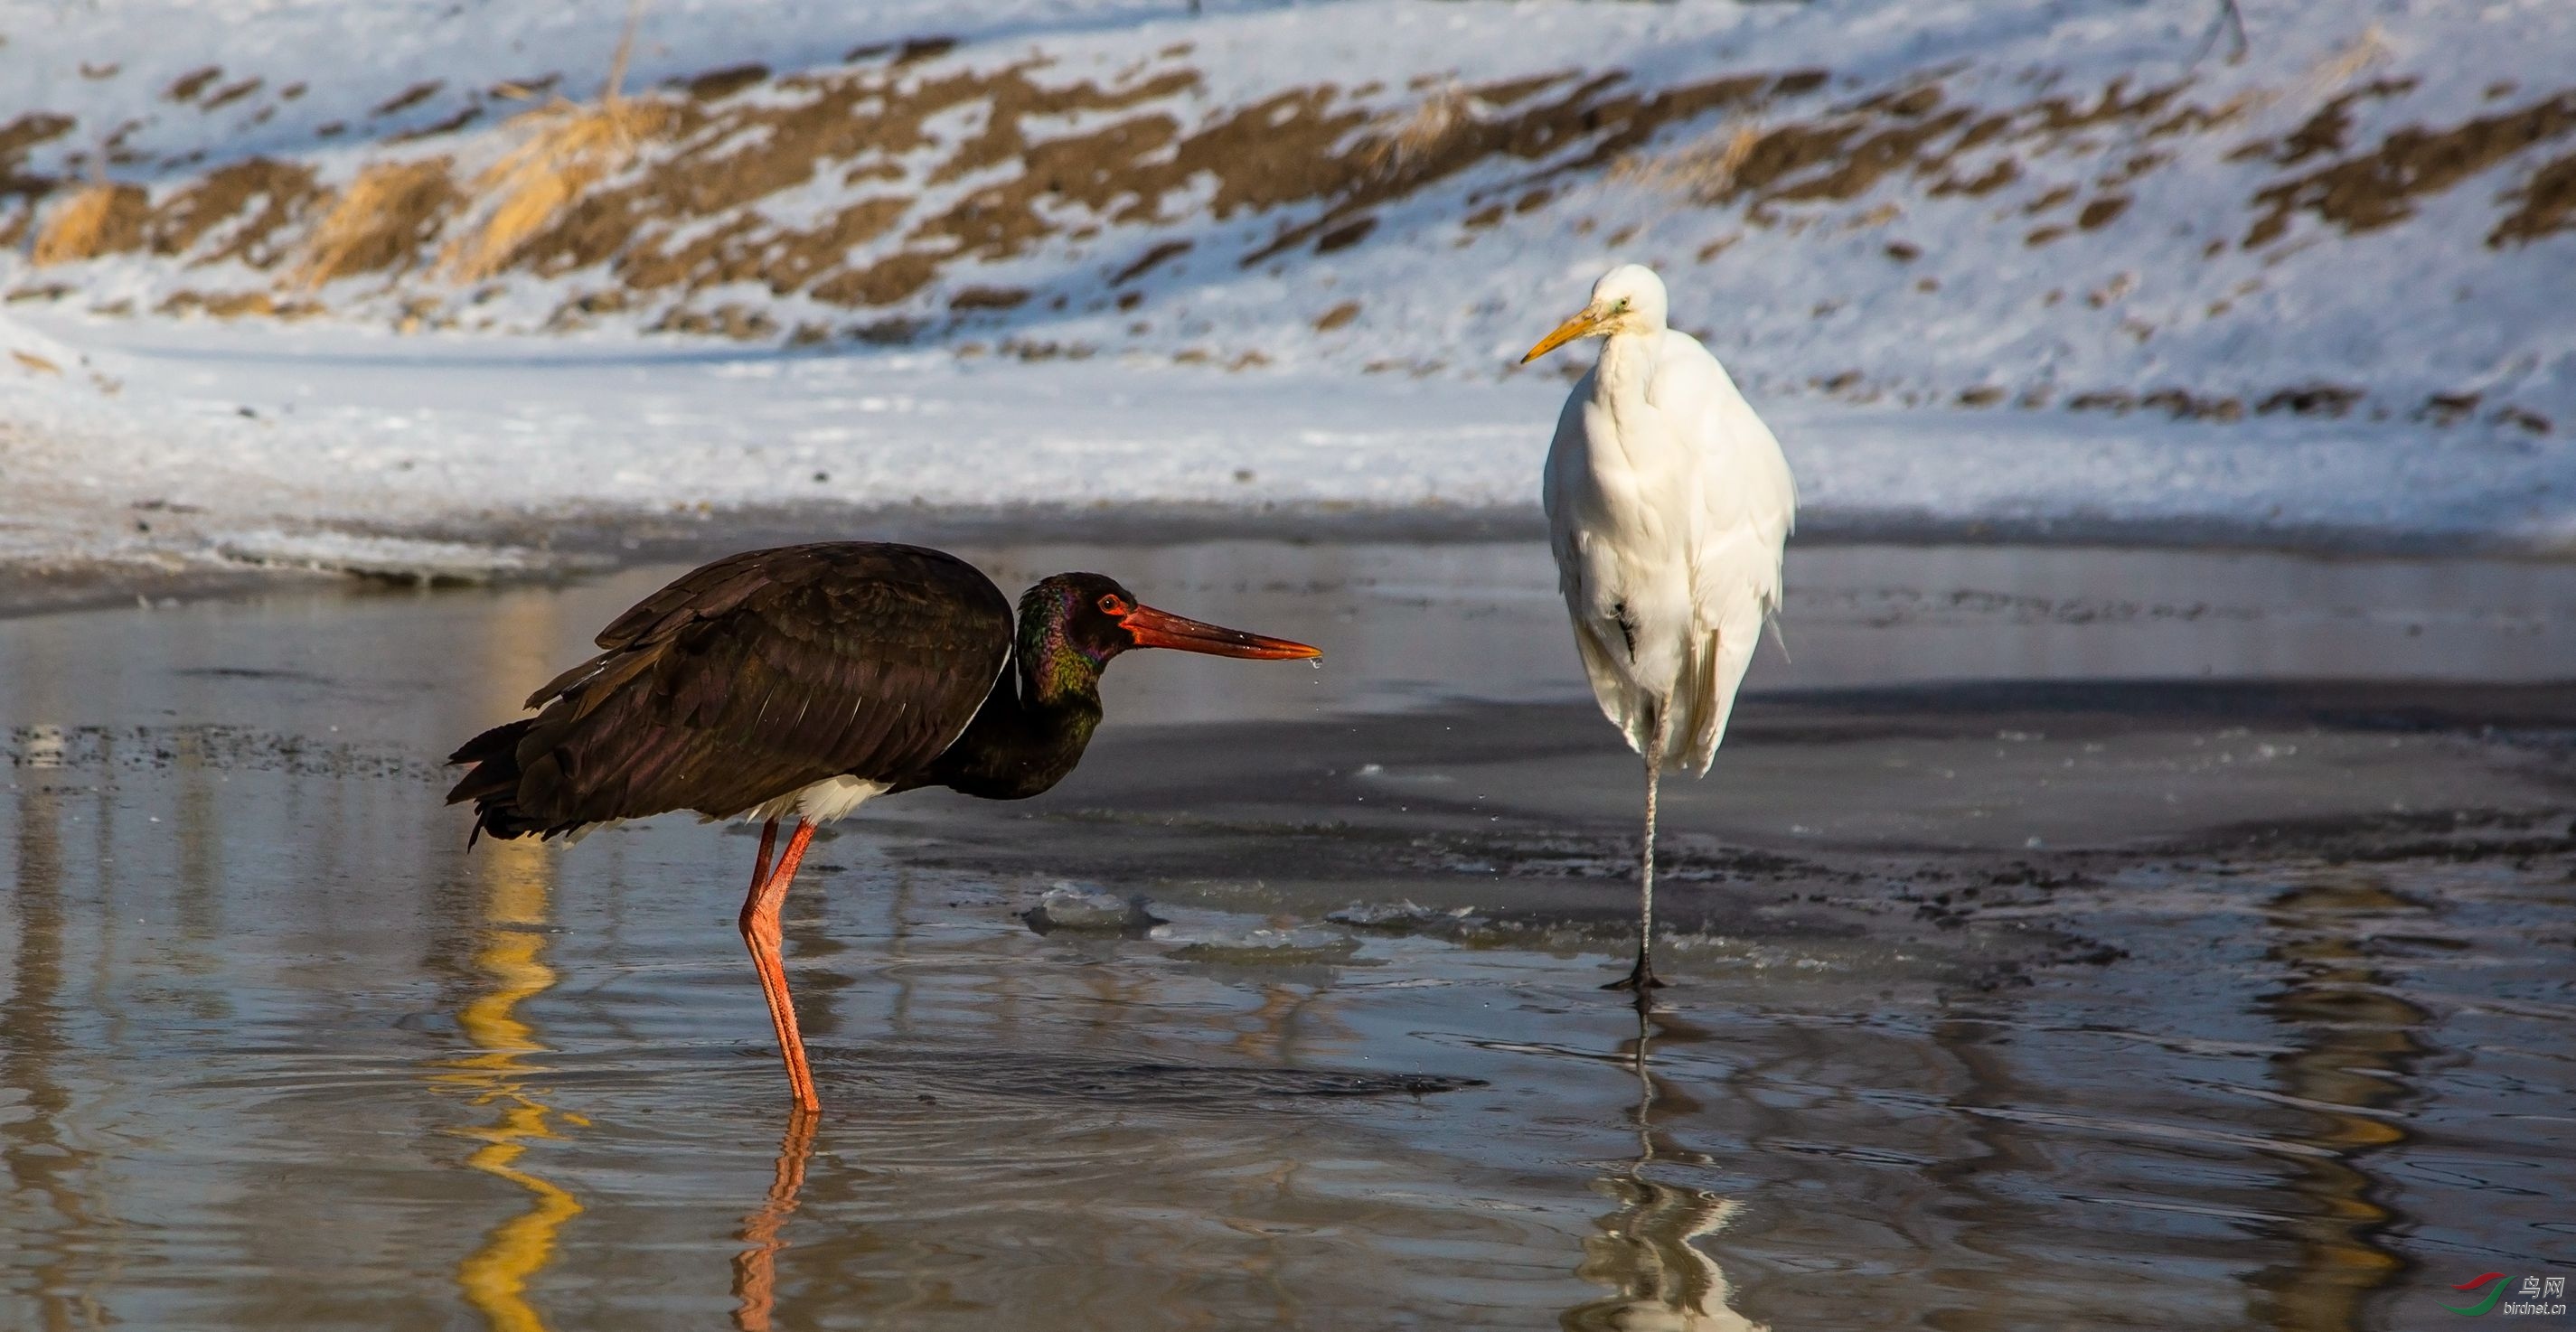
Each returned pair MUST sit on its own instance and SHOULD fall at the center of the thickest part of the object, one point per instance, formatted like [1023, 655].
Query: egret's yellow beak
[1585, 322]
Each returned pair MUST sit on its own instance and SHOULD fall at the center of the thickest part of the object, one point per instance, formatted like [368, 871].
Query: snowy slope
[2052, 264]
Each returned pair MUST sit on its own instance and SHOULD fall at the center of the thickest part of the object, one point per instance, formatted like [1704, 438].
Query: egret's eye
[1621, 307]
[1112, 604]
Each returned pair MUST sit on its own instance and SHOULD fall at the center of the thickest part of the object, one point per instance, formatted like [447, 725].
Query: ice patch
[1397, 915]
[395, 559]
[1085, 907]
[1264, 946]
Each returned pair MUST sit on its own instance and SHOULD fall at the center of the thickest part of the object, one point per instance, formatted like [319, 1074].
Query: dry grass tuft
[1704, 170]
[1398, 140]
[76, 230]
[2248, 100]
[378, 209]
[2344, 64]
[2330, 75]
[570, 147]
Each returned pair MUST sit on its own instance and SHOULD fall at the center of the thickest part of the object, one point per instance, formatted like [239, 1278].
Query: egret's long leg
[761, 934]
[1642, 977]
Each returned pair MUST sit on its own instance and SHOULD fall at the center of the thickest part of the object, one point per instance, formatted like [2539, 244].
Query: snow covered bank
[2037, 266]
[224, 442]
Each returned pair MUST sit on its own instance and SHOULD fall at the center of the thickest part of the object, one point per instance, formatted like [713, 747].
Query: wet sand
[2065, 938]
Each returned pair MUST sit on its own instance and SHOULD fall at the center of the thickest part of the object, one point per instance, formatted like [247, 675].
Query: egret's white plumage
[1667, 506]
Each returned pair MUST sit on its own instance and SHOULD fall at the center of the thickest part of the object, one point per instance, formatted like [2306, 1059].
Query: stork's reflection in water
[1644, 1251]
[755, 1269]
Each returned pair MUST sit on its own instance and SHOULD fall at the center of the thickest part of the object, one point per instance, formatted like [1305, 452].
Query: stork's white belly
[822, 802]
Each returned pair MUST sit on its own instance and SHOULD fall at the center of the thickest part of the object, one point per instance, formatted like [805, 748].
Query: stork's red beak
[1162, 629]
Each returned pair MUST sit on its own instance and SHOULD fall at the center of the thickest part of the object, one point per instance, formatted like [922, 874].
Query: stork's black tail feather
[493, 783]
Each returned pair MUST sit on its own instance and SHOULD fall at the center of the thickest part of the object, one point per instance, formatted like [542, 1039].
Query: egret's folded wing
[1747, 504]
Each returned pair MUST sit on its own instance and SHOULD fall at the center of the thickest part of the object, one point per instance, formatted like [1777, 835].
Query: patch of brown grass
[1582, 129]
[2380, 186]
[98, 219]
[569, 148]
[235, 304]
[732, 319]
[240, 211]
[2548, 204]
[376, 222]
[2320, 399]
[1397, 139]
[2341, 65]
[1149, 260]
[1702, 170]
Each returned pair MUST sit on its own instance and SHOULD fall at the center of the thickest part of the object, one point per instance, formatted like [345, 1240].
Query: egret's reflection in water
[1644, 1251]
[518, 878]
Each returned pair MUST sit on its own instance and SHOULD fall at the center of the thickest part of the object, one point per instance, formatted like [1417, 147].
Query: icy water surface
[2067, 939]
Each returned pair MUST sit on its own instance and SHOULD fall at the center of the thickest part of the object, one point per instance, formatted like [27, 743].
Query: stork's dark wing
[748, 679]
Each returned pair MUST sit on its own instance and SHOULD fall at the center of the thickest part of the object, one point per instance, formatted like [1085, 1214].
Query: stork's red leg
[768, 840]
[759, 879]
[760, 933]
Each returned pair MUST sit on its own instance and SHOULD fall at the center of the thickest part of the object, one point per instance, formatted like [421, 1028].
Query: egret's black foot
[1640, 978]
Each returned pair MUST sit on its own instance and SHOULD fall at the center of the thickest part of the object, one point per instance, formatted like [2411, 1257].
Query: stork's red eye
[1113, 604]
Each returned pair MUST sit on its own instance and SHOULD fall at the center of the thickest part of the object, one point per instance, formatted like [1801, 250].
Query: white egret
[1667, 506]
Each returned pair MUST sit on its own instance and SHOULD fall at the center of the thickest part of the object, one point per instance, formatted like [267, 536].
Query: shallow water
[277, 1051]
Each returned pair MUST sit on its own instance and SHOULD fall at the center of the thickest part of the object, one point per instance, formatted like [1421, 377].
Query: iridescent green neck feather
[1032, 729]
[1052, 666]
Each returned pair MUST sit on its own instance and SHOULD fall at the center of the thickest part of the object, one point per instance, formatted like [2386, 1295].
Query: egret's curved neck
[1627, 362]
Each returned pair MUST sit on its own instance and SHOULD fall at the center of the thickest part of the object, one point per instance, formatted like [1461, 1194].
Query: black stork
[808, 680]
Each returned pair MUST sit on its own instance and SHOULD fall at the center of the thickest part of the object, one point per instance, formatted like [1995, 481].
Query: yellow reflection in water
[2354, 1049]
[494, 1278]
